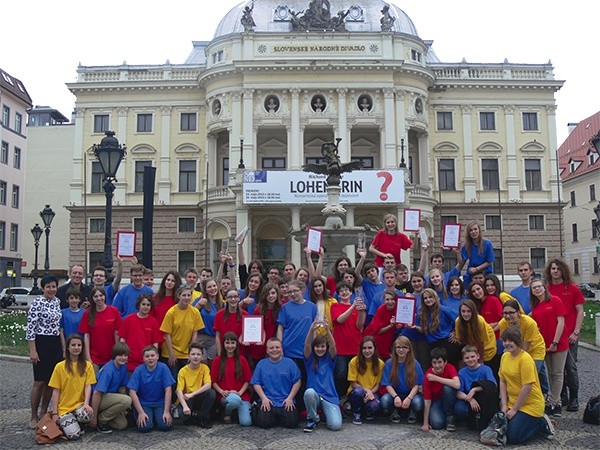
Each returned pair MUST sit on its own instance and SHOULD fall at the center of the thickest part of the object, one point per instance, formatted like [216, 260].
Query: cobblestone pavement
[16, 379]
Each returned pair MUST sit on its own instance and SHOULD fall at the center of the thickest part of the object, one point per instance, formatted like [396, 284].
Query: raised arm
[116, 284]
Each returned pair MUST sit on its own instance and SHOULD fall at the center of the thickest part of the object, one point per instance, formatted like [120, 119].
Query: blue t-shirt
[401, 388]
[150, 385]
[110, 293]
[521, 293]
[209, 319]
[296, 319]
[276, 378]
[373, 295]
[447, 320]
[453, 303]
[476, 259]
[322, 380]
[469, 376]
[252, 306]
[69, 321]
[127, 297]
[111, 379]
[414, 335]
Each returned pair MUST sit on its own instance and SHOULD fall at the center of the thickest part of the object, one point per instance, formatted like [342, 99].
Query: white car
[19, 296]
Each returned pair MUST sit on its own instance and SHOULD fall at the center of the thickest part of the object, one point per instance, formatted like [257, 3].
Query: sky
[45, 42]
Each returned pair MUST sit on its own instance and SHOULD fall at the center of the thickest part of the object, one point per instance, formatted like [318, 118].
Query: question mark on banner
[387, 181]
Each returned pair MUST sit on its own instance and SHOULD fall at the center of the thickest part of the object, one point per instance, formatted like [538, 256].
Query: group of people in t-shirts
[111, 357]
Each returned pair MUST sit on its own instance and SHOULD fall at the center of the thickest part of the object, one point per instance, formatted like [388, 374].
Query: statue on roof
[318, 17]
[333, 167]
[247, 20]
[387, 21]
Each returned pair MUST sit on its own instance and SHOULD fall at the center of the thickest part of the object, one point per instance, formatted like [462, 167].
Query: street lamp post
[37, 232]
[109, 154]
[47, 216]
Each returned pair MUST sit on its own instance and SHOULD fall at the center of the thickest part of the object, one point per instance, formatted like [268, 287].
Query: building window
[594, 262]
[188, 122]
[273, 163]
[6, 116]
[444, 120]
[446, 174]
[415, 55]
[186, 260]
[487, 121]
[450, 259]
[537, 256]
[187, 224]
[530, 122]
[489, 174]
[536, 222]
[18, 123]
[574, 230]
[97, 176]
[498, 266]
[97, 225]
[95, 259]
[366, 160]
[2, 235]
[187, 176]
[4, 153]
[449, 219]
[144, 123]
[594, 228]
[14, 237]
[101, 123]
[139, 174]
[17, 158]
[316, 160]
[592, 192]
[493, 222]
[15, 196]
[573, 202]
[225, 174]
[575, 266]
[271, 251]
[3, 194]
[533, 175]
[592, 157]
[138, 224]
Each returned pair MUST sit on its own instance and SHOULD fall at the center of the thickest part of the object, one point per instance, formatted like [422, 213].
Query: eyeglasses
[233, 296]
[401, 347]
[510, 313]
[293, 291]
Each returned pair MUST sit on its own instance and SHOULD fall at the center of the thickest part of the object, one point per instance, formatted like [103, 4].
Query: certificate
[126, 243]
[412, 219]
[451, 235]
[313, 240]
[406, 308]
[252, 328]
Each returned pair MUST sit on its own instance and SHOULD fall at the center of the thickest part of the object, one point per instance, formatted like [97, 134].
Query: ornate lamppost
[37, 232]
[47, 216]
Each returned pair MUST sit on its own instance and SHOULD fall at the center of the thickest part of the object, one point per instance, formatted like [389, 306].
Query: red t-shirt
[546, 315]
[232, 324]
[432, 390]
[390, 243]
[160, 311]
[139, 333]
[102, 334]
[347, 337]
[230, 382]
[383, 342]
[571, 296]
[491, 311]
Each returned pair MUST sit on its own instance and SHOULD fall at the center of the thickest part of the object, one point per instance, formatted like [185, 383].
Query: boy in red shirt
[439, 391]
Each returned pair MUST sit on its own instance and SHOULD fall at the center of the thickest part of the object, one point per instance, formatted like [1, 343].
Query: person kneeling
[439, 392]
[276, 380]
[194, 390]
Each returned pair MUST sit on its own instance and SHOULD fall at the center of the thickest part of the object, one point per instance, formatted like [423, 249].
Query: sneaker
[356, 420]
[549, 409]
[556, 411]
[369, 415]
[104, 428]
[412, 417]
[227, 420]
[174, 412]
[549, 426]
[395, 417]
[450, 425]
[573, 405]
[310, 426]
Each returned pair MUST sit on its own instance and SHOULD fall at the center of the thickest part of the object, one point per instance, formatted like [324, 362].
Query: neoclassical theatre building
[229, 130]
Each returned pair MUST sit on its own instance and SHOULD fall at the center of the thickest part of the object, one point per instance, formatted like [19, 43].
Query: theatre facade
[229, 131]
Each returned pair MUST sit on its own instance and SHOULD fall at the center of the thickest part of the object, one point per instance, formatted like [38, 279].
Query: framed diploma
[126, 243]
[252, 328]
[406, 309]
[313, 240]
[412, 219]
[451, 235]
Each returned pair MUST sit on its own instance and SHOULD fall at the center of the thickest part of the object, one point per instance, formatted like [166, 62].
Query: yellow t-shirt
[531, 333]
[71, 386]
[366, 380]
[486, 333]
[517, 371]
[190, 380]
[181, 324]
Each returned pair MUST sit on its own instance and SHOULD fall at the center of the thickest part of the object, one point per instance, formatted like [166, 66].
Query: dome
[275, 16]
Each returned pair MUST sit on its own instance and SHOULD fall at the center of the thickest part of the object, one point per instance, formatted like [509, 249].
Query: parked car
[587, 290]
[16, 296]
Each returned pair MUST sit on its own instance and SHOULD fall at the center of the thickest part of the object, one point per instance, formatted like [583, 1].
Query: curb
[590, 346]
[14, 358]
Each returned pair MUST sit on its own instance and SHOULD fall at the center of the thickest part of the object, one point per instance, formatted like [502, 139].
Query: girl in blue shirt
[319, 358]
[456, 294]
[476, 249]
[250, 294]
[209, 304]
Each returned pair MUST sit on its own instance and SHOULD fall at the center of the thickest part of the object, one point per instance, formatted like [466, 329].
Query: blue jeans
[523, 427]
[234, 402]
[416, 405]
[333, 415]
[155, 414]
[357, 400]
[340, 374]
[540, 365]
[462, 410]
[442, 408]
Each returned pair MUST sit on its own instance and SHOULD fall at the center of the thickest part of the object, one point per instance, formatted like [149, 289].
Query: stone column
[295, 147]
[248, 133]
[235, 134]
[513, 180]
[120, 134]
[211, 151]
[402, 132]
[164, 182]
[555, 184]
[342, 126]
[422, 151]
[81, 161]
[470, 184]
[388, 159]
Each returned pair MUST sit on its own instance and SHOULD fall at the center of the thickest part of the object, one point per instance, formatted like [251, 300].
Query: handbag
[46, 430]
[592, 411]
[495, 432]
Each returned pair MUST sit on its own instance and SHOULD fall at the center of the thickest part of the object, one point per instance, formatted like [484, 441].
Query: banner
[261, 187]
